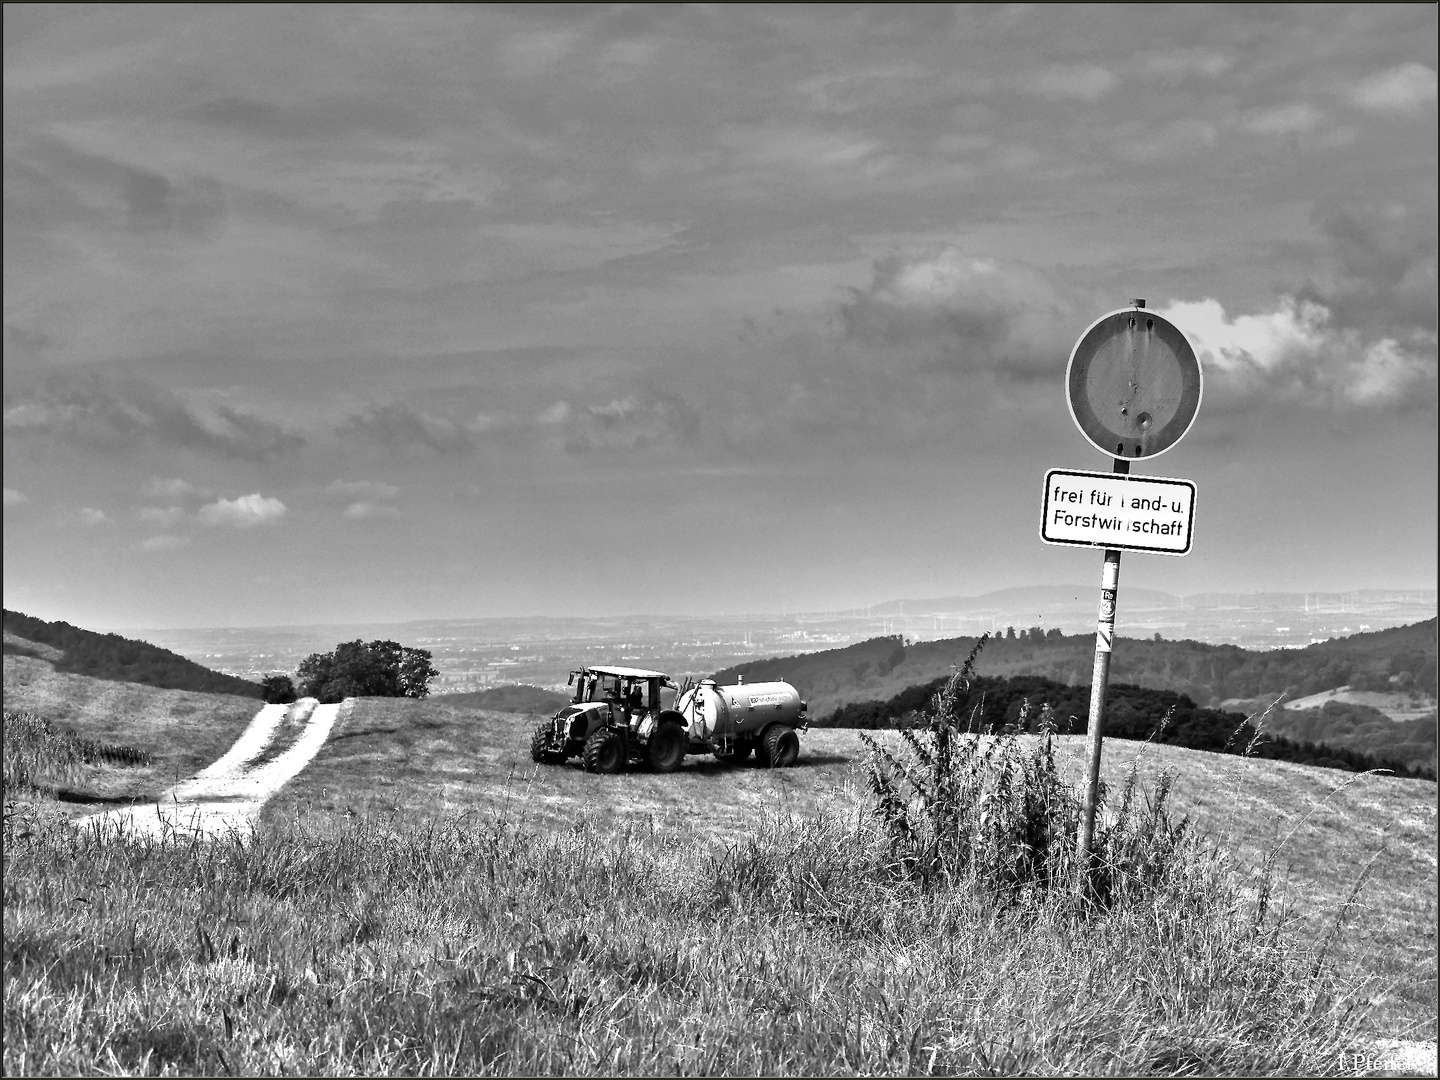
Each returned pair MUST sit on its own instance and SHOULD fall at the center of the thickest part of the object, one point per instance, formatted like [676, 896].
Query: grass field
[425, 899]
[182, 730]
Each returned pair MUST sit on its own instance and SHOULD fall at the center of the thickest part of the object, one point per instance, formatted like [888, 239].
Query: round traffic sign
[1133, 384]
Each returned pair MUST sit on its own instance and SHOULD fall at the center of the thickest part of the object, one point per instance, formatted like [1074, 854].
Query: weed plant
[994, 813]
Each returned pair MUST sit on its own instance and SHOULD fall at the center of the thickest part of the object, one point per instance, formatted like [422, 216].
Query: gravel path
[227, 796]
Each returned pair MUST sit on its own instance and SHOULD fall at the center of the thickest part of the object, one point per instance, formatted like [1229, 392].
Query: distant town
[482, 653]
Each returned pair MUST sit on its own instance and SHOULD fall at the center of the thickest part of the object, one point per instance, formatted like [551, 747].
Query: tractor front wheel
[666, 749]
[542, 747]
[605, 751]
[782, 747]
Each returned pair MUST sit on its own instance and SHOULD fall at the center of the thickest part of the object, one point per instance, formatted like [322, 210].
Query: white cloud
[244, 512]
[1404, 89]
[1179, 138]
[164, 542]
[88, 515]
[557, 413]
[15, 498]
[1083, 82]
[366, 509]
[1295, 354]
[160, 516]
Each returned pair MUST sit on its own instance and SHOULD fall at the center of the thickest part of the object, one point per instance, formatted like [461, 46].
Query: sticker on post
[1115, 510]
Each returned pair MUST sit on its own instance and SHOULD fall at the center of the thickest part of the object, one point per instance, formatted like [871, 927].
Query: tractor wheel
[605, 751]
[738, 756]
[541, 748]
[782, 747]
[666, 749]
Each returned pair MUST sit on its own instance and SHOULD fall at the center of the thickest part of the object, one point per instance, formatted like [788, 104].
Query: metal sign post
[1133, 385]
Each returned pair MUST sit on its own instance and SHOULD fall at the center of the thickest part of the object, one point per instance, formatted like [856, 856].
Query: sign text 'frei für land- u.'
[1111, 510]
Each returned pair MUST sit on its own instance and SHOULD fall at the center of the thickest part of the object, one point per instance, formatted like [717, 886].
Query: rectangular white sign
[1115, 510]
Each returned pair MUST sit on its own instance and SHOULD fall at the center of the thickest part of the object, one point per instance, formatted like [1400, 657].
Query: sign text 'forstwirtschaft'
[1111, 510]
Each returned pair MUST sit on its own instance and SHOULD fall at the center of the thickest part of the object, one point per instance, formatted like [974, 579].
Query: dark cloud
[1381, 275]
[109, 415]
[944, 310]
[401, 426]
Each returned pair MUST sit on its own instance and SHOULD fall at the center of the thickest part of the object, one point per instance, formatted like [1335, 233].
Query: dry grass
[181, 730]
[409, 762]
[423, 898]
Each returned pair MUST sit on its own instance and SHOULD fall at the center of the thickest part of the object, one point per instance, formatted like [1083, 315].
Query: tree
[1009, 633]
[1054, 633]
[278, 689]
[358, 669]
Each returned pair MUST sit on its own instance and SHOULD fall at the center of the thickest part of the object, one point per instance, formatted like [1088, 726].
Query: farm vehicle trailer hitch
[616, 716]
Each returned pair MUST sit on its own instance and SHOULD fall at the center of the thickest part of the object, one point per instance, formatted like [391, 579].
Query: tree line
[110, 656]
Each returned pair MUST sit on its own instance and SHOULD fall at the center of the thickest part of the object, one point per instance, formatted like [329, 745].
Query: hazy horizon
[364, 314]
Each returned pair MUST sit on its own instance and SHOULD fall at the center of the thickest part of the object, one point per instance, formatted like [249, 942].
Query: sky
[362, 313]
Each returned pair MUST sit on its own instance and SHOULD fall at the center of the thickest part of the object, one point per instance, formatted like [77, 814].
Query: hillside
[515, 698]
[178, 732]
[110, 656]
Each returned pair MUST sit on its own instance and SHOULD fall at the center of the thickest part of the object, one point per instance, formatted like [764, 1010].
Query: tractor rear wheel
[666, 749]
[605, 751]
[782, 747]
[542, 747]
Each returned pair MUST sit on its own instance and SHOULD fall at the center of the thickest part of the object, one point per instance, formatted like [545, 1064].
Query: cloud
[111, 416]
[14, 497]
[946, 310]
[636, 422]
[1082, 82]
[556, 413]
[1405, 89]
[162, 517]
[366, 509]
[1143, 144]
[401, 426]
[1296, 355]
[245, 512]
[89, 516]
[164, 542]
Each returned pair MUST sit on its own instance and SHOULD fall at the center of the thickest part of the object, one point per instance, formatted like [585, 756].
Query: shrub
[278, 689]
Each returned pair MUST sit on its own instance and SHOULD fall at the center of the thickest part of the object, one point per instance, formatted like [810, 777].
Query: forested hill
[880, 668]
[110, 656]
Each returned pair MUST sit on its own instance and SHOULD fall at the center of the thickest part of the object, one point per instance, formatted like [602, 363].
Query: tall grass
[474, 946]
[36, 754]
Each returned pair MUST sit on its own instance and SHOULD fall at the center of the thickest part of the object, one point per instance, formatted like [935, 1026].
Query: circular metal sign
[1133, 384]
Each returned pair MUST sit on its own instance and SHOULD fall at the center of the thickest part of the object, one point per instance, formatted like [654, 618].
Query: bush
[278, 690]
[35, 752]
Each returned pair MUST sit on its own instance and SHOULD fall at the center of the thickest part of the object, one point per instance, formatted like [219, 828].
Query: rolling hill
[110, 656]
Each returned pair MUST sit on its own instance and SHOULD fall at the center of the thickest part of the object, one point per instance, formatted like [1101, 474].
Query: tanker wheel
[542, 748]
[782, 747]
[666, 749]
[605, 751]
[737, 756]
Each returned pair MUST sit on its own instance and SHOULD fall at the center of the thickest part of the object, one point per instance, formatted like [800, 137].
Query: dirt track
[227, 796]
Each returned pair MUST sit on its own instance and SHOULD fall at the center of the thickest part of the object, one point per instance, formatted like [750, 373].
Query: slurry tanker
[616, 716]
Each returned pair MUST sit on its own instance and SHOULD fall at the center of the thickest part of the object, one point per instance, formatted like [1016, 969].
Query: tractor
[616, 716]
